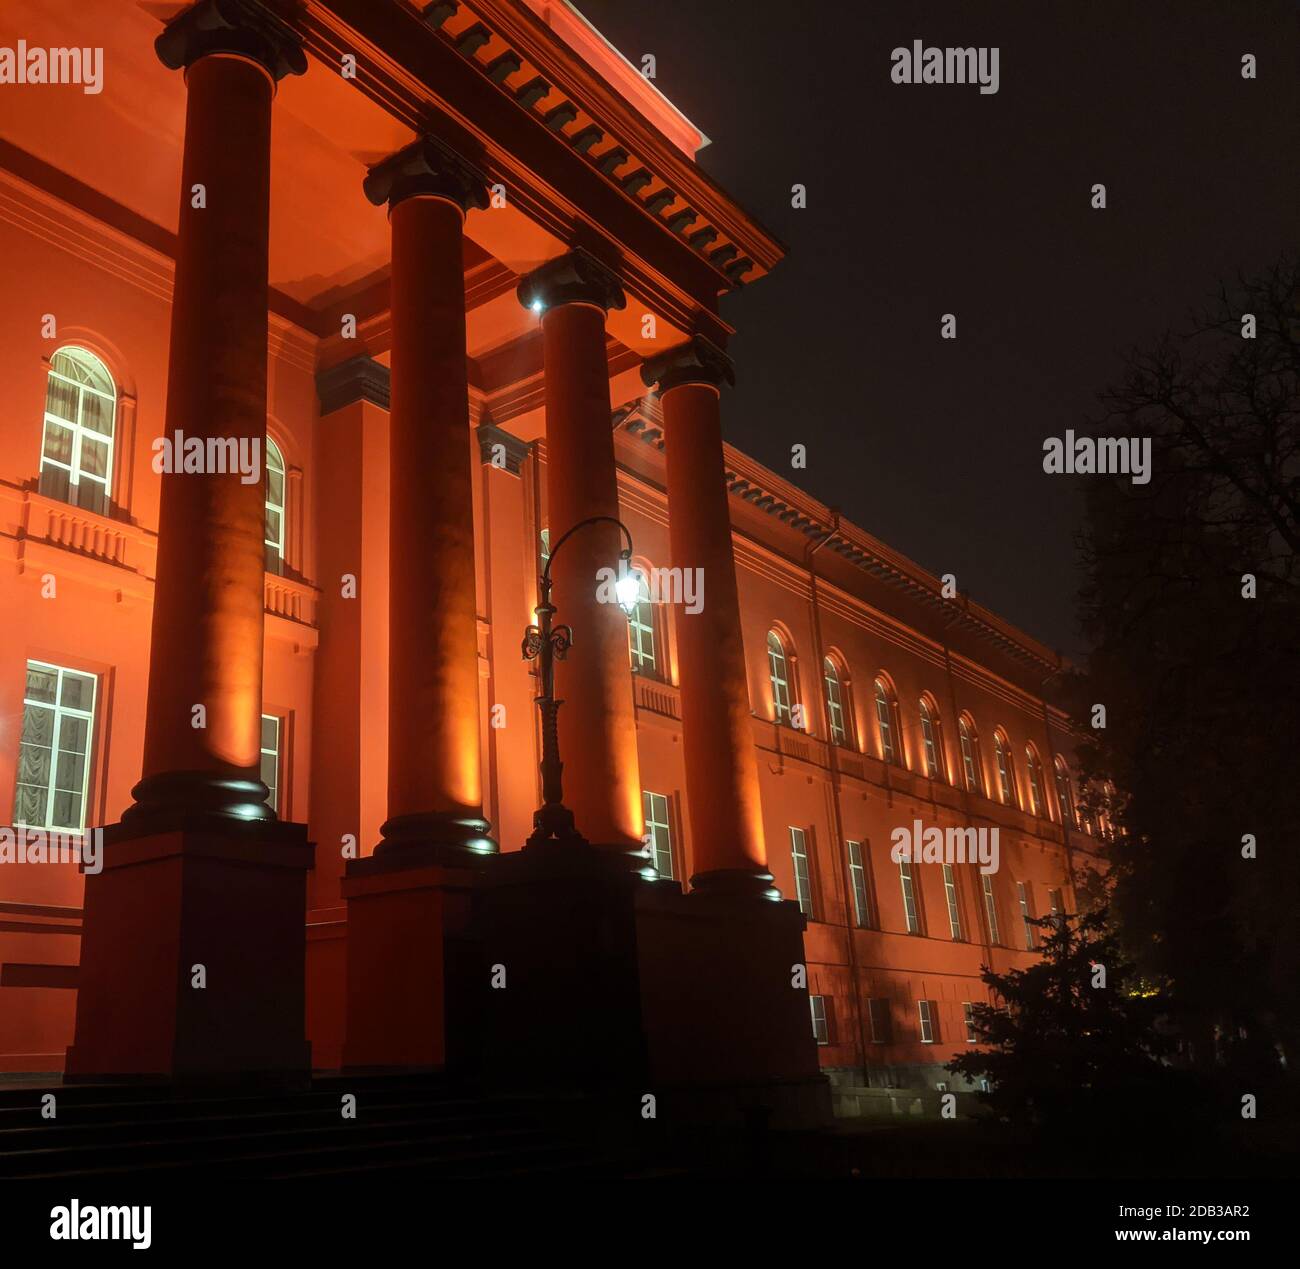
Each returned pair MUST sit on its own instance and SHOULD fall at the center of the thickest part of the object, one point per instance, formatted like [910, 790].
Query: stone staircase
[404, 1124]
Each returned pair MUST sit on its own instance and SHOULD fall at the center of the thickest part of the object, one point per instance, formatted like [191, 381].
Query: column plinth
[717, 740]
[597, 724]
[435, 793]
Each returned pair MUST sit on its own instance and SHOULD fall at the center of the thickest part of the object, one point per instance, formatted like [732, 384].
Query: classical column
[435, 793]
[193, 933]
[717, 740]
[597, 724]
[203, 721]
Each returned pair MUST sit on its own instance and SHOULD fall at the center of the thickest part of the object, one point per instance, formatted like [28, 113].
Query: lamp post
[545, 644]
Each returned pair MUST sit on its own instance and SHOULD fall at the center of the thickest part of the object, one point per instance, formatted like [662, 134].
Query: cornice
[533, 40]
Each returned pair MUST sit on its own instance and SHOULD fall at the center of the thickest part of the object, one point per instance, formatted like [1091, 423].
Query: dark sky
[925, 200]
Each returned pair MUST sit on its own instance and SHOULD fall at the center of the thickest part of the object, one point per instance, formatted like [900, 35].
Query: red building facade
[488, 274]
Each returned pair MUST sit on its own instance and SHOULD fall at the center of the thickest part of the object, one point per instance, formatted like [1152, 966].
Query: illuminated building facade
[451, 274]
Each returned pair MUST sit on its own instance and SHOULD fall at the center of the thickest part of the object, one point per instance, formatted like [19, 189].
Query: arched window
[641, 630]
[77, 447]
[930, 737]
[835, 703]
[778, 669]
[1035, 770]
[274, 508]
[970, 754]
[1065, 795]
[885, 721]
[1006, 771]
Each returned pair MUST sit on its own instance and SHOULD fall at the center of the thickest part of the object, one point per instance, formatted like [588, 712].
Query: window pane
[41, 684]
[78, 691]
[61, 398]
[58, 443]
[97, 413]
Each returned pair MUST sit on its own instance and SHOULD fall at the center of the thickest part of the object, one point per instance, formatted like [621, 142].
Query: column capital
[245, 27]
[426, 166]
[698, 360]
[575, 278]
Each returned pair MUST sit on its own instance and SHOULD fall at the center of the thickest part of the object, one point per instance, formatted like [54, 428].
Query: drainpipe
[846, 881]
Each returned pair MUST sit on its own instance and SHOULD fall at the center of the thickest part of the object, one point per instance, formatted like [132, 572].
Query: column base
[407, 952]
[192, 956]
[756, 883]
[184, 800]
[453, 841]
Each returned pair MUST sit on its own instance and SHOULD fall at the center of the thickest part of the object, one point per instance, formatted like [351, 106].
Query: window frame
[954, 904]
[1022, 891]
[1034, 777]
[1005, 767]
[859, 885]
[651, 824]
[782, 684]
[61, 712]
[80, 431]
[803, 886]
[930, 734]
[821, 1025]
[990, 908]
[280, 785]
[275, 553]
[836, 703]
[925, 1013]
[911, 903]
[969, 742]
[643, 664]
[888, 732]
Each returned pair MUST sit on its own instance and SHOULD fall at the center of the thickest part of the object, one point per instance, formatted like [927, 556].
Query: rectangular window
[1057, 903]
[990, 906]
[882, 1023]
[954, 912]
[909, 897]
[1025, 915]
[926, 1011]
[54, 748]
[821, 1029]
[802, 877]
[858, 874]
[641, 632]
[655, 806]
[271, 730]
[968, 1011]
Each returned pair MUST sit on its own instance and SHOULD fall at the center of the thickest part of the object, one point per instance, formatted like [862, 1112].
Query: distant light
[536, 306]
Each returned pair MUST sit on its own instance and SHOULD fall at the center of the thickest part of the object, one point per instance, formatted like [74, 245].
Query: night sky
[933, 199]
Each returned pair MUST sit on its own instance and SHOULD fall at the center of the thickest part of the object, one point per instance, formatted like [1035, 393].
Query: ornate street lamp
[546, 644]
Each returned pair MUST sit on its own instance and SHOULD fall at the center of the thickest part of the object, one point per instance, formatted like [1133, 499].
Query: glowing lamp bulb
[536, 306]
[628, 590]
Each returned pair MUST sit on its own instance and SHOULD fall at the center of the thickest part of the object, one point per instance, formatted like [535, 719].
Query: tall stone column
[717, 738]
[193, 935]
[435, 791]
[203, 722]
[597, 724]
[408, 951]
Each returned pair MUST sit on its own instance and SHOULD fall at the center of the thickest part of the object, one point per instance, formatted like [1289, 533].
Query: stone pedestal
[166, 903]
[606, 981]
[406, 958]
